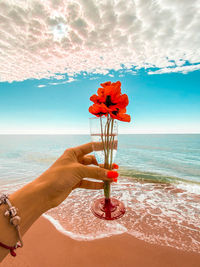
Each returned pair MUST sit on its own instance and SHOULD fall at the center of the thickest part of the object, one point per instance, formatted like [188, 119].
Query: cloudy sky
[54, 54]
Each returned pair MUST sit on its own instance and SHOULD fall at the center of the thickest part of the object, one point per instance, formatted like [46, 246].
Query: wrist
[53, 192]
[40, 194]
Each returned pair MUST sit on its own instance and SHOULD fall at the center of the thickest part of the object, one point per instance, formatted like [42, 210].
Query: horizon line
[89, 133]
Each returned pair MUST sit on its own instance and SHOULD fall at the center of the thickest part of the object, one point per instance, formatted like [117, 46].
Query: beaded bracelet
[14, 220]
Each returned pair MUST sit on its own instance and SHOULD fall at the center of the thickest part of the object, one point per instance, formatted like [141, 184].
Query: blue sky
[54, 55]
[159, 103]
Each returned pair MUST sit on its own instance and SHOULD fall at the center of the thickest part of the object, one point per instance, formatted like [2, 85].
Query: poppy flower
[98, 110]
[109, 95]
[110, 100]
[120, 101]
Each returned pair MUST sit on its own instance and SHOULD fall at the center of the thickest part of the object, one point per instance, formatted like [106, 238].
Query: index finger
[87, 148]
[83, 149]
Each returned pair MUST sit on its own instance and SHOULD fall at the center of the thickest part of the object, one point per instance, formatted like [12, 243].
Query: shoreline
[44, 246]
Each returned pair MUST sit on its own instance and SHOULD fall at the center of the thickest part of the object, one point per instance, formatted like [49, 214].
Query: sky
[54, 55]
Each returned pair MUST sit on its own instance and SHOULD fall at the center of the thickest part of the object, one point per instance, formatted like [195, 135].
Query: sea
[159, 184]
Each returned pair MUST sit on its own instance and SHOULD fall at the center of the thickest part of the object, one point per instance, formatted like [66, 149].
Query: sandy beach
[45, 246]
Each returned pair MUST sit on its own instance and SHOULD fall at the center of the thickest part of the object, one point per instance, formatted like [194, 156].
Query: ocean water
[159, 184]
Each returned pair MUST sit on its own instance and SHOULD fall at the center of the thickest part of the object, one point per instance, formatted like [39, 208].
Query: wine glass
[104, 135]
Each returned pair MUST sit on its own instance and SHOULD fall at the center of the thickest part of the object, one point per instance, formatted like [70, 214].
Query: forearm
[31, 202]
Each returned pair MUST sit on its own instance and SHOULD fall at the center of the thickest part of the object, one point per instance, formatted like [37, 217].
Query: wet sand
[44, 246]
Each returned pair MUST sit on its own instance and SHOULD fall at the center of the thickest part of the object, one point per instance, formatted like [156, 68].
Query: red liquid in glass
[108, 209]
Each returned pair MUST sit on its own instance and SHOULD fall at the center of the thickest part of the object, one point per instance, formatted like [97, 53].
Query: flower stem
[109, 153]
[106, 124]
[111, 142]
[102, 138]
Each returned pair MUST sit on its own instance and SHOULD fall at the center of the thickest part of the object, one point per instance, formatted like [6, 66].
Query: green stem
[106, 125]
[102, 139]
[107, 163]
[108, 144]
[112, 142]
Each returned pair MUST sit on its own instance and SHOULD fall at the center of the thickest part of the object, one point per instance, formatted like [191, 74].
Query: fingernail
[115, 166]
[112, 174]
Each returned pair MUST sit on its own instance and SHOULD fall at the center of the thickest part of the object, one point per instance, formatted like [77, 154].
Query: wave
[157, 212]
[152, 177]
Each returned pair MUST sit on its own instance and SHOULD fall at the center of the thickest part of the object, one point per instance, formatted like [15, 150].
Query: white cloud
[70, 79]
[132, 72]
[41, 85]
[183, 69]
[60, 77]
[46, 39]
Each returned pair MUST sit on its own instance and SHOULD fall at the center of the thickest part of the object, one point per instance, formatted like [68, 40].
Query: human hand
[69, 171]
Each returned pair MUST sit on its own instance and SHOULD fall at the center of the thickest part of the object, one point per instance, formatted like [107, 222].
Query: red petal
[122, 101]
[105, 84]
[124, 117]
[96, 109]
[117, 84]
[121, 117]
[94, 98]
[122, 110]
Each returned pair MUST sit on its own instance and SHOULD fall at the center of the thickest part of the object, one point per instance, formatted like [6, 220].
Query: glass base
[108, 209]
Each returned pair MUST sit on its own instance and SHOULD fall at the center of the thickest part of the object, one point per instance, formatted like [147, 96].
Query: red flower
[109, 94]
[98, 110]
[112, 95]
[110, 100]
